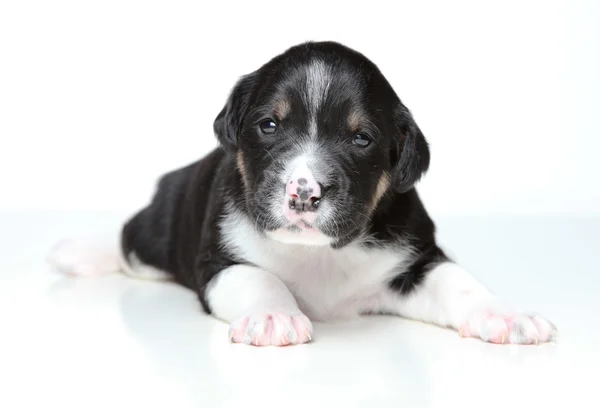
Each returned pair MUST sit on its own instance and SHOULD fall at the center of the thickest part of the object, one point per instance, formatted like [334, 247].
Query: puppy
[307, 211]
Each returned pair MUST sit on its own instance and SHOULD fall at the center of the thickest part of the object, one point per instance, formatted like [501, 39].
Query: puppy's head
[319, 137]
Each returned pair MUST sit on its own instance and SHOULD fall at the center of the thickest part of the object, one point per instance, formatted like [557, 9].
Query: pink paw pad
[509, 328]
[271, 329]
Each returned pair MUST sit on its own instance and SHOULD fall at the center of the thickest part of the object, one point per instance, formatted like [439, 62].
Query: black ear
[228, 122]
[411, 153]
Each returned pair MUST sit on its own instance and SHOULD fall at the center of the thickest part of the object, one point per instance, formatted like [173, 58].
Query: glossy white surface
[116, 342]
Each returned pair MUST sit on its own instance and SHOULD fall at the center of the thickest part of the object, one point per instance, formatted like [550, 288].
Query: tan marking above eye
[282, 108]
[355, 120]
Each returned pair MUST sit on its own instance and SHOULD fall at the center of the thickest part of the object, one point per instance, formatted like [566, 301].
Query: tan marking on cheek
[242, 167]
[282, 109]
[382, 186]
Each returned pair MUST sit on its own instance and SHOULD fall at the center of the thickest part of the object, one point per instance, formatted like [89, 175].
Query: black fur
[179, 231]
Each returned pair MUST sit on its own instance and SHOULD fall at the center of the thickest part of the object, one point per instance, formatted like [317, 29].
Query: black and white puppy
[307, 211]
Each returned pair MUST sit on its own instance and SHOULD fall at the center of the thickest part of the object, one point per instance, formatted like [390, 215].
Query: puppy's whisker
[269, 153]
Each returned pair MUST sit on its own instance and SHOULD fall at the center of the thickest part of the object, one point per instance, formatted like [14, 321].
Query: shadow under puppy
[306, 210]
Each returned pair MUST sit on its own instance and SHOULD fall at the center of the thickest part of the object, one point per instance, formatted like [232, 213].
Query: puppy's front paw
[271, 328]
[503, 327]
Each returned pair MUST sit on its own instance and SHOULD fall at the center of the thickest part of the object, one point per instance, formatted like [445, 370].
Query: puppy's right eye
[268, 127]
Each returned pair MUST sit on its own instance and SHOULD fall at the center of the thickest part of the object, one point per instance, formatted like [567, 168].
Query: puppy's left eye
[362, 140]
[268, 127]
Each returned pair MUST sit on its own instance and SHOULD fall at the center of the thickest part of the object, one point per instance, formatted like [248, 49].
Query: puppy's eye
[362, 140]
[268, 127]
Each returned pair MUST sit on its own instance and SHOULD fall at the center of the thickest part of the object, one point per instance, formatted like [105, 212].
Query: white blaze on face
[306, 168]
[312, 164]
[318, 78]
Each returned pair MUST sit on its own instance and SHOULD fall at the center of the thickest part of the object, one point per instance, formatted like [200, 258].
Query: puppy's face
[319, 137]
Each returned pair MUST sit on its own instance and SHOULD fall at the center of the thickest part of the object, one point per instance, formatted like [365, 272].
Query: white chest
[327, 283]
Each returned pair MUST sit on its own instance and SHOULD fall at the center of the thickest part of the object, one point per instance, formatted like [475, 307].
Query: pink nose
[303, 193]
[303, 189]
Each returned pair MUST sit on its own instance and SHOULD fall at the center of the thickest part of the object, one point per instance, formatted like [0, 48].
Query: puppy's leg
[450, 297]
[259, 307]
[84, 257]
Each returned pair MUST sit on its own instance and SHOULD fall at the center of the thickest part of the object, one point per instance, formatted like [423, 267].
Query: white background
[97, 99]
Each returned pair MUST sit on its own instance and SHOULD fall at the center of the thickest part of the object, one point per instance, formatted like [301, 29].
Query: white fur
[447, 296]
[310, 155]
[268, 304]
[261, 309]
[254, 289]
[327, 284]
[137, 269]
[308, 160]
[306, 237]
[330, 284]
[318, 80]
[451, 297]
[302, 165]
[83, 257]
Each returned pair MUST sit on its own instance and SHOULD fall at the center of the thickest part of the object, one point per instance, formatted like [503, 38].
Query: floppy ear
[411, 153]
[228, 122]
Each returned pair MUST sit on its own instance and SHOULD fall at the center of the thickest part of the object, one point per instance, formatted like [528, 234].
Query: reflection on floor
[114, 341]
